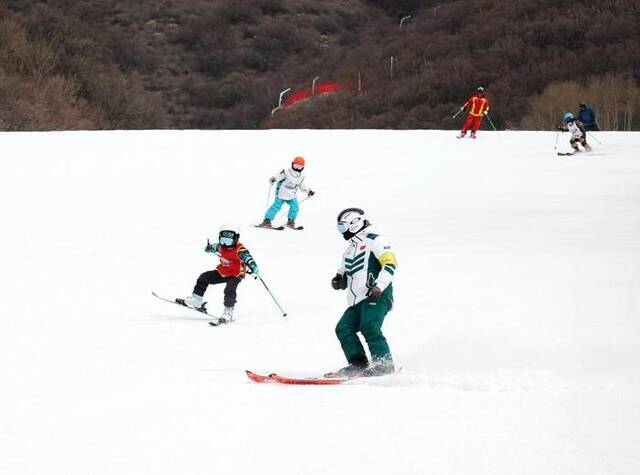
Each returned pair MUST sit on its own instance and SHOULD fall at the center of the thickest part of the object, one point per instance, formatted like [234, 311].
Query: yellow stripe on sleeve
[388, 258]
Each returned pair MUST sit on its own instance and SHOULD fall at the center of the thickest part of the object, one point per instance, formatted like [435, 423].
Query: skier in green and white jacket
[367, 270]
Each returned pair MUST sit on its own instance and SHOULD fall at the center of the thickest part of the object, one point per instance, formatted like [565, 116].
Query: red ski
[258, 378]
[308, 381]
[276, 378]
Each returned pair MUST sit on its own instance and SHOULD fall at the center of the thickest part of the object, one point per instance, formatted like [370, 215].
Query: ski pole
[489, 119]
[305, 199]
[269, 195]
[456, 114]
[594, 138]
[284, 314]
[555, 146]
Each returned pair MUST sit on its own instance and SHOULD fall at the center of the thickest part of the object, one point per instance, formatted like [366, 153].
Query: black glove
[339, 282]
[374, 293]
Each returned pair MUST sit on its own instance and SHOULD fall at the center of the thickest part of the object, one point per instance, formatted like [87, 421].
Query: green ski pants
[367, 318]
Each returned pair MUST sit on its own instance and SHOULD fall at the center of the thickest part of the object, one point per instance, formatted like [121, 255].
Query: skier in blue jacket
[587, 116]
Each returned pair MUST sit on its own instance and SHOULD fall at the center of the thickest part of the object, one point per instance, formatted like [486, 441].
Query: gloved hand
[486, 112]
[272, 180]
[311, 193]
[210, 247]
[561, 129]
[339, 282]
[374, 293]
[253, 267]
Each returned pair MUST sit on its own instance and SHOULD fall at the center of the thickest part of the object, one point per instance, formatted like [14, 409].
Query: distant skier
[367, 270]
[288, 182]
[587, 116]
[578, 133]
[478, 107]
[234, 261]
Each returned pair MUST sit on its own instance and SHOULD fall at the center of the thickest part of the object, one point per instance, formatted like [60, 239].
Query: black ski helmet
[228, 236]
[351, 221]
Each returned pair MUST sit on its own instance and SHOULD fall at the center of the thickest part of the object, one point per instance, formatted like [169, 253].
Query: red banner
[304, 94]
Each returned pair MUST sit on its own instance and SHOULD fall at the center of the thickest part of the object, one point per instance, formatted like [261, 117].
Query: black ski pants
[214, 277]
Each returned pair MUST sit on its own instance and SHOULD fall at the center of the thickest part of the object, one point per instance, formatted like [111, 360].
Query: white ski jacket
[288, 183]
[367, 262]
[576, 129]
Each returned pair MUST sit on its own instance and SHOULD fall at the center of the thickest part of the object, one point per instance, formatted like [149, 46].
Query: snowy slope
[516, 320]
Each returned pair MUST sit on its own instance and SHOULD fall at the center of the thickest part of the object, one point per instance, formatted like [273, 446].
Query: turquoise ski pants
[277, 205]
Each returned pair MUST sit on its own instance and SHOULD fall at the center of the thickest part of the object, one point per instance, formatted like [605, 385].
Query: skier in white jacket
[578, 132]
[366, 273]
[288, 182]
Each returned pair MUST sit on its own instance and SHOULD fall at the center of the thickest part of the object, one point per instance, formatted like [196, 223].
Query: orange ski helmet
[298, 164]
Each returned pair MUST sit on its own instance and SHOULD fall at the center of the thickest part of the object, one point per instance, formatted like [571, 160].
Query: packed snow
[517, 317]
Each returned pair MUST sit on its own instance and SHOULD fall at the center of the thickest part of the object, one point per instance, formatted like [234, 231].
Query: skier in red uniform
[478, 106]
[234, 261]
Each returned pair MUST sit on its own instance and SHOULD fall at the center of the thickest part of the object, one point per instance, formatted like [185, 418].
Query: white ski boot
[192, 300]
[227, 315]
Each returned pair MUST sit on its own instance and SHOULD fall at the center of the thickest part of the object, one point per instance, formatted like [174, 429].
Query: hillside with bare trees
[212, 64]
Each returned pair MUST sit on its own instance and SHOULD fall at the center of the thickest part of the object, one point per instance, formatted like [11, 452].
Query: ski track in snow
[516, 322]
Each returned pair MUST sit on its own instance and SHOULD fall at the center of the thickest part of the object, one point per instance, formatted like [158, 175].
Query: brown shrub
[614, 97]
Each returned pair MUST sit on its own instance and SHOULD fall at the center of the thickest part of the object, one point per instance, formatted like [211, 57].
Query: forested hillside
[104, 64]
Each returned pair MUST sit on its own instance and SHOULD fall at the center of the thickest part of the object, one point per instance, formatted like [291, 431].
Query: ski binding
[201, 310]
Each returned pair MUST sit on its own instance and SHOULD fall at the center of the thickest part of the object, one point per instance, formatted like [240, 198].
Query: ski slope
[517, 315]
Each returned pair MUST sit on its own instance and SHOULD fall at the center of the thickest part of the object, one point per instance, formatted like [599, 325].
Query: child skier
[288, 182]
[234, 260]
[578, 133]
[367, 270]
[478, 106]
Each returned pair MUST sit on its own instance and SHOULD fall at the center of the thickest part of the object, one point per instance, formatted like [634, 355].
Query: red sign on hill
[320, 89]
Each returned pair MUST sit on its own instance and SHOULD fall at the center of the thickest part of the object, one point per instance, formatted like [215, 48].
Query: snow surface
[517, 319]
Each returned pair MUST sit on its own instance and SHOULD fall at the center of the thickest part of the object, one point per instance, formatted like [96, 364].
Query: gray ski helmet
[351, 221]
